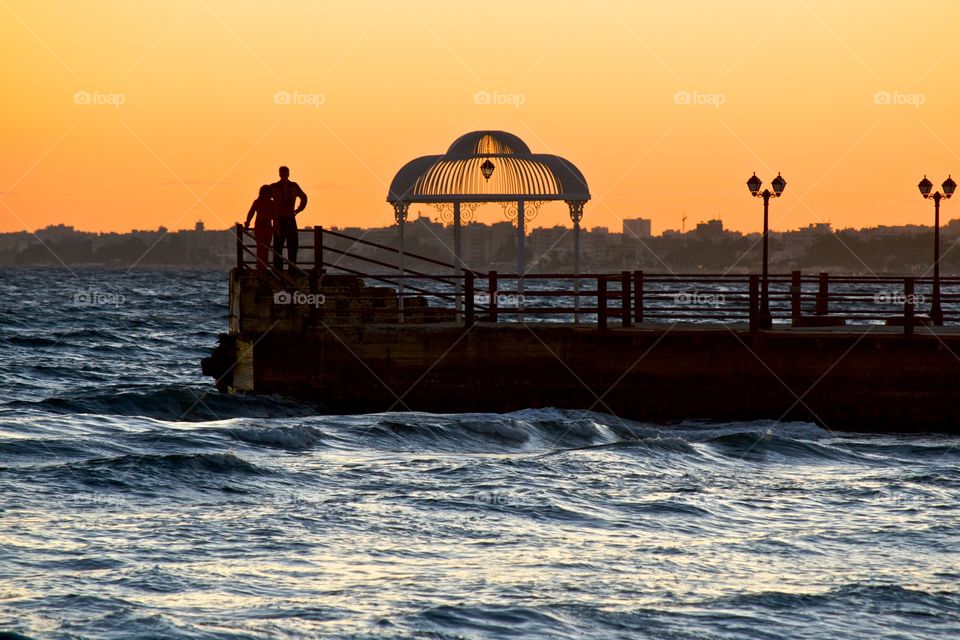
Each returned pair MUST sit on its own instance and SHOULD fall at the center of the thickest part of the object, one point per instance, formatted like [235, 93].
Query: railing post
[468, 312]
[823, 295]
[625, 311]
[601, 302]
[638, 297]
[576, 297]
[239, 233]
[908, 306]
[795, 298]
[313, 279]
[318, 249]
[492, 293]
[754, 303]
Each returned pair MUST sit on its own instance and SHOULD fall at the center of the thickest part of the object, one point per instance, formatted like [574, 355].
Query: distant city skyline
[706, 246]
[616, 226]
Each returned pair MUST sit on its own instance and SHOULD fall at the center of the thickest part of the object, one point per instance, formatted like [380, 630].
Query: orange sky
[122, 114]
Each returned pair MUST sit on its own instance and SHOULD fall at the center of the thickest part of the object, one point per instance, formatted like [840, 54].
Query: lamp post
[925, 186]
[754, 184]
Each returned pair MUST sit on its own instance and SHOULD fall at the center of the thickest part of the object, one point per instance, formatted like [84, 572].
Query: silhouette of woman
[263, 230]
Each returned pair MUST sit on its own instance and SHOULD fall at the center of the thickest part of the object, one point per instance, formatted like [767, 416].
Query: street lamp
[487, 169]
[925, 186]
[754, 184]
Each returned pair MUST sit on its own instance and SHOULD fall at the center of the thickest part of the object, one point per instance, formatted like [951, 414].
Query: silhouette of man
[285, 193]
[263, 230]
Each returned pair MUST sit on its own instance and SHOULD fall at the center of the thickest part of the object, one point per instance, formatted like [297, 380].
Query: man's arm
[246, 225]
[303, 199]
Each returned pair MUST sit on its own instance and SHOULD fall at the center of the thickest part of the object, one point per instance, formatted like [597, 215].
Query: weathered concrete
[868, 379]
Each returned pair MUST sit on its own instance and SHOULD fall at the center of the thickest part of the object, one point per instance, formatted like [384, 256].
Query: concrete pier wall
[849, 379]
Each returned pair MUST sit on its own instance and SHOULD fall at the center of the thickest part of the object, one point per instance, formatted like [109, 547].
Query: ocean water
[136, 502]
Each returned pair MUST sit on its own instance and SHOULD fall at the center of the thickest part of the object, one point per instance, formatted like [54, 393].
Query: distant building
[952, 228]
[804, 236]
[548, 244]
[709, 230]
[885, 231]
[56, 232]
[637, 228]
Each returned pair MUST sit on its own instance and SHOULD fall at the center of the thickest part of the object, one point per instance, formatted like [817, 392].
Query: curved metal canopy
[518, 174]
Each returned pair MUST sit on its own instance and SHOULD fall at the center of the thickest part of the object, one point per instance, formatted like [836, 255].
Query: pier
[357, 326]
[849, 353]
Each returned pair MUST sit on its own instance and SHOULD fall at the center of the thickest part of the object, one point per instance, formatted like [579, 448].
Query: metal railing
[628, 298]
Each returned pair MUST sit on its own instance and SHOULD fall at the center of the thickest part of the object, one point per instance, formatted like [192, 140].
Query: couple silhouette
[276, 210]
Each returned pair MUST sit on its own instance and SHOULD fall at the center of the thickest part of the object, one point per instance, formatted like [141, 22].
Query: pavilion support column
[521, 234]
[457, 262]
[576, 214]
[400, 214]
[576, 272]
[521, 253]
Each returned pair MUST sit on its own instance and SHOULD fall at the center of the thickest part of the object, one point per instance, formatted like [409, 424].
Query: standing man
[285, 193]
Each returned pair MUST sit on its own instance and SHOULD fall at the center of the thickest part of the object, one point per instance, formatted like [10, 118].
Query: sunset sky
[122, 115]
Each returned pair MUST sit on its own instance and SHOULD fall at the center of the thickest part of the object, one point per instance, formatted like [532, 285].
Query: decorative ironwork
[510, 211]
[467, 210]
[444, 211]
[530, 210]
[400, 210]
[576, 210]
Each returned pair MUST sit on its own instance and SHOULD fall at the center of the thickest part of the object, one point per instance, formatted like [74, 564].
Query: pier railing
[621, 299]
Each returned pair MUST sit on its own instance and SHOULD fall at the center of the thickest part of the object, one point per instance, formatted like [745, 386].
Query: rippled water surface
[136, 502]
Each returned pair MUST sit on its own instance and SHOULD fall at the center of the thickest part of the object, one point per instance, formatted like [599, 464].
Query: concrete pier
[349, 355]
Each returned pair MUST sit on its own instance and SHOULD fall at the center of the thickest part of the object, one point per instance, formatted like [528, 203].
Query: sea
[137, 502]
